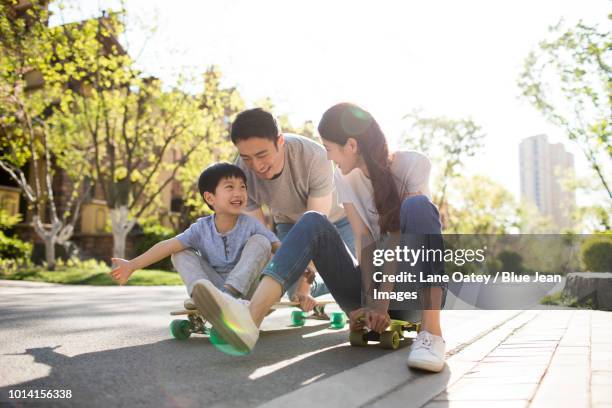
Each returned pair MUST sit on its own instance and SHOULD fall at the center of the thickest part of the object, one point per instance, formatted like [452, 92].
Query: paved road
[111, 346]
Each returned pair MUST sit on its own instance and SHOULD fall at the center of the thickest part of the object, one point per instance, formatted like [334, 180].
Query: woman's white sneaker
[427, 352]
[229, 316]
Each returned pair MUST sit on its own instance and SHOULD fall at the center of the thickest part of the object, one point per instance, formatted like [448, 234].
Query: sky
[459, 59]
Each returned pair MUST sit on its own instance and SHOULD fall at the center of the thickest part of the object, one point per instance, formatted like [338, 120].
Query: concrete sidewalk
[550, 358]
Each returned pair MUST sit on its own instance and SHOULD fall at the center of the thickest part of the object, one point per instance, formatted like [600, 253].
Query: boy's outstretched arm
[123, 269]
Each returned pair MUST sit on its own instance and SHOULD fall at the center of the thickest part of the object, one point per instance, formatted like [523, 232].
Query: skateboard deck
[391, 338]
[182, 329]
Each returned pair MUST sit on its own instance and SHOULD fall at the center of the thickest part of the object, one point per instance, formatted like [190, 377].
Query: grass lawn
[94, 275]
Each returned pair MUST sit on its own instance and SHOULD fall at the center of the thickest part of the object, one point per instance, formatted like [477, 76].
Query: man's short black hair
[254, 123]
[213, 174]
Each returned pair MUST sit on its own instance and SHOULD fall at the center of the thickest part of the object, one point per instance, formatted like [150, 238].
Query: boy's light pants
[244, 277]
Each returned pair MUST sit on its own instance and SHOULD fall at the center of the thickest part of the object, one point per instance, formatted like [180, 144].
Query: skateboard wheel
[390, 340]
[358, 338]
[298, 317]
[180, 329]
[338, 320]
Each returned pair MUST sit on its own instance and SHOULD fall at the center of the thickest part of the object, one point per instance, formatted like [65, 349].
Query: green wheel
[180, 329]
[390, 340]
[220, 344]
[358, 338]
[298, 317]
[338, 320]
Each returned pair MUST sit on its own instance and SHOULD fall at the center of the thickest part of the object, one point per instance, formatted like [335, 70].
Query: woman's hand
[122, 270]
[377, 320]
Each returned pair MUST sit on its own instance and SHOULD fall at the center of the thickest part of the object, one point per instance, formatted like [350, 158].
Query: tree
[224, 104]
[568, 80]
[478, 205]
[306, 129]
[447, 142]
[143, 136]
[30, 51]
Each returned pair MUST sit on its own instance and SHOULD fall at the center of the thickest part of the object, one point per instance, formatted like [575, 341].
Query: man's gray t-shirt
[222, 251]
[307, 173]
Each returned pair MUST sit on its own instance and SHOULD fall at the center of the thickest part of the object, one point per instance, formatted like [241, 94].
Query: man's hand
[122, 270]
[307, 302]
[355, 323]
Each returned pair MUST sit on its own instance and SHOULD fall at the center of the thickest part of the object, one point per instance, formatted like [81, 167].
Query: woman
[383, 195]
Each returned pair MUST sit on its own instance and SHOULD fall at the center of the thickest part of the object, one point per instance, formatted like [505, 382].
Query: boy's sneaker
[228, 315]
[427, 352]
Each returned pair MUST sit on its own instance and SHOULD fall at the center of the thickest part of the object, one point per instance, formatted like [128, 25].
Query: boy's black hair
[254, 123]
[213, 174]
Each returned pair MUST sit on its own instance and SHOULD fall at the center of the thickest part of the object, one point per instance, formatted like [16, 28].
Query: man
[289, 174]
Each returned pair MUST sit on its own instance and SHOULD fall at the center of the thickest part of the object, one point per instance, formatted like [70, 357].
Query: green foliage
[221, 105]
[12, 248]
[510, 261]
[152, 234]
[478, 205]
[33, 57]
[568, 80]
[447, 142]
[560, 299]
[90, 272]
[596, 254]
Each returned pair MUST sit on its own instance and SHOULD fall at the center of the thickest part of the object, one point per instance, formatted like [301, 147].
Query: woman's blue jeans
[314, 238]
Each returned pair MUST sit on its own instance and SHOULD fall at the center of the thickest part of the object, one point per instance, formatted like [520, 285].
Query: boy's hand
[122, 270]
[307, 302]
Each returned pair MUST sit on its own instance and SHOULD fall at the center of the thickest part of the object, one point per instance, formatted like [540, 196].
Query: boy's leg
[192, 267]
[313, 238]
[255, 255]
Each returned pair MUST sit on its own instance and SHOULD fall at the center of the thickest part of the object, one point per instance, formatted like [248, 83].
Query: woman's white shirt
[410, 172]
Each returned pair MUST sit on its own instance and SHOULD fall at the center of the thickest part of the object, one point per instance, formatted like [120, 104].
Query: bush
[596, 254]
[151, 235]
[14, 248]
[511, 261]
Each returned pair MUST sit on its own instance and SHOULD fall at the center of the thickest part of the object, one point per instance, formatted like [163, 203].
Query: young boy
[232, 247]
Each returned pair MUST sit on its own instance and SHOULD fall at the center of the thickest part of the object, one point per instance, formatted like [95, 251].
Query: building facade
[544, 167]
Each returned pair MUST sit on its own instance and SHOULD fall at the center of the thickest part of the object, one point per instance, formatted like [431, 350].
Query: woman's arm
[362, 234]
[376, 318]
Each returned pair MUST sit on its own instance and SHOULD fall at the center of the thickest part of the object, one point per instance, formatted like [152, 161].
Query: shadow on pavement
[193, 373]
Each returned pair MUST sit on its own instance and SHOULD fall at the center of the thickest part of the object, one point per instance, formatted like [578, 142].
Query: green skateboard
[390, 339]
[182, 329]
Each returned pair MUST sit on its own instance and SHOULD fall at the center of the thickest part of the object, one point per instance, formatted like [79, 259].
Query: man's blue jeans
[343, 227]
[314, 238]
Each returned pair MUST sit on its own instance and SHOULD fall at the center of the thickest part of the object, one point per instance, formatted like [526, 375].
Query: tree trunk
[49, 237]
[50, 252]
[121, 227]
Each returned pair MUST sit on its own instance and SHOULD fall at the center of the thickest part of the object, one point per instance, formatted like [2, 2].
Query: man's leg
[255, 255]
[318, 287]
[192, 267]
[314, 239]
[343, 226]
